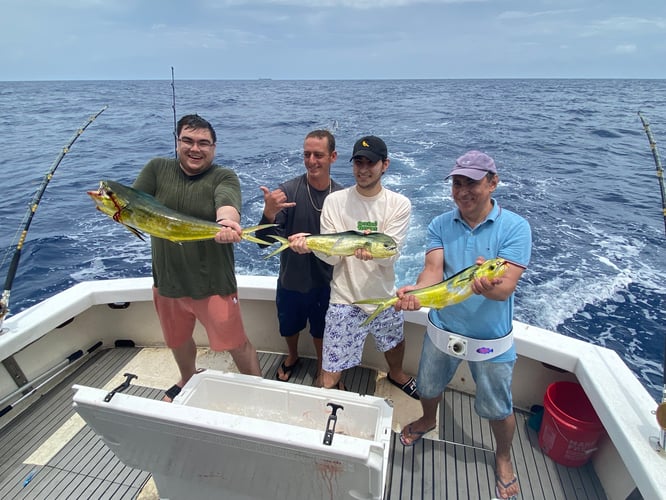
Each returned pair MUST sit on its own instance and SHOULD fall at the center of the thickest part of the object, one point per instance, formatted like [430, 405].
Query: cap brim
[373, 157]
[472, 173]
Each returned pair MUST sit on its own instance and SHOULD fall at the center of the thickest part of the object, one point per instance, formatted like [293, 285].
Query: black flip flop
[286, 370]
[172, 392]
[175, 389]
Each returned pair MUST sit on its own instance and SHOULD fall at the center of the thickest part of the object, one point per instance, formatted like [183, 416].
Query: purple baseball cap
[473, 164]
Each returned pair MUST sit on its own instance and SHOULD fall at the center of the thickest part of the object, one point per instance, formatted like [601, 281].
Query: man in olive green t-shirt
[196, 280]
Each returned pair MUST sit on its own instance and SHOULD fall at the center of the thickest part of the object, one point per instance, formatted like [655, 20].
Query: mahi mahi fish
[142, 213]
[380, 245]
[445, 293]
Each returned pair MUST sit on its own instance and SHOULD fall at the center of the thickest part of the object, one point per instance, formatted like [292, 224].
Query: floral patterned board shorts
[344, 337]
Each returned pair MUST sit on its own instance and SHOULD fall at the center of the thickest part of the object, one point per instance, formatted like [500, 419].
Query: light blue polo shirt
[503, 234]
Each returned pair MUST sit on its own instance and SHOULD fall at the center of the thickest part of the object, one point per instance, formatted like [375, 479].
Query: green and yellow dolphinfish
[380, 245]
[142, 213]
[445, 293]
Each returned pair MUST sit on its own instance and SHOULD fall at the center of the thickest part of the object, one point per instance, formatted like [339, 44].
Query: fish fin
[382, 305]
[339, 244]
[284, 245]
[254, 239]
[373, 301]
[245, 233]
[135, 231]
[252, 229]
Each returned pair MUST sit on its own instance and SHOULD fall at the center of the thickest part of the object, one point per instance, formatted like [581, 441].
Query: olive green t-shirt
[196, 269]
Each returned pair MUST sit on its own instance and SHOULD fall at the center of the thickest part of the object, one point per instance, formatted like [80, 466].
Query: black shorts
[295, 309]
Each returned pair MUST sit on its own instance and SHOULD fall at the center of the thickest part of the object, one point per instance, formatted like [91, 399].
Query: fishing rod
[661, 409]
[657, 162]
[175, 127]
[13, 266]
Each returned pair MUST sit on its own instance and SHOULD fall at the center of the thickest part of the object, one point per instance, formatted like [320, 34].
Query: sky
[331, 39]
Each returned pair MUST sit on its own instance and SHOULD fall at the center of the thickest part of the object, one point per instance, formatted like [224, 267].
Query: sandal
[504, 486]
[172, 392]
[286, 370]
[418, 434]
[408, 387]
[175, 389]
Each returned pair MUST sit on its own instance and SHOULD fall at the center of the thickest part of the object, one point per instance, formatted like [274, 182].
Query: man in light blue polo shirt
[477, 230]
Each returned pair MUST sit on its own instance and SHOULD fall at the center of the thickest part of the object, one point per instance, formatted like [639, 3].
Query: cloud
[521, 14]
[626, 24]
[627, 48]
[126, 39]
[354, 4]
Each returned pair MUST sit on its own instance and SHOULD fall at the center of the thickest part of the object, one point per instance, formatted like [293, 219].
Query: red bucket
[570, 429]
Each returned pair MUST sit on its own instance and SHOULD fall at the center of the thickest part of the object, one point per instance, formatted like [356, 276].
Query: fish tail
[252, 229]
[245, 234]
[254, 239]
[382, 305]
[284, 245]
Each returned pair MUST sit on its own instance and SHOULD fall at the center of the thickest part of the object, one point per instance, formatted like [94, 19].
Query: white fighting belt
[468, 348]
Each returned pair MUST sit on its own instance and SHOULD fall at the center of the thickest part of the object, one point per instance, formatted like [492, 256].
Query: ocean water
[573, 159]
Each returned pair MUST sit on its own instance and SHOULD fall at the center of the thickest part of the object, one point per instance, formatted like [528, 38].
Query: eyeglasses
[203, 144]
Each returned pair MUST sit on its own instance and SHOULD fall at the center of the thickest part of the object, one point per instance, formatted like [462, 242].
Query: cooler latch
[330, 424]
[121, 387]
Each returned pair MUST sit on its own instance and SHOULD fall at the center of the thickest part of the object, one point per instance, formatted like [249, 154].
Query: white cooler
[235, 436]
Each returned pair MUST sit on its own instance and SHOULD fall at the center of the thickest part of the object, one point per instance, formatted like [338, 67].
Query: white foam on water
[91, 271]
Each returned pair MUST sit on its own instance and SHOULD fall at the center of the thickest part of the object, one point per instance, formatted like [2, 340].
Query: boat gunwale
[623, 405]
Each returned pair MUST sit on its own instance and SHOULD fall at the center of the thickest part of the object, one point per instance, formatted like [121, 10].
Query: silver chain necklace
[307, 182]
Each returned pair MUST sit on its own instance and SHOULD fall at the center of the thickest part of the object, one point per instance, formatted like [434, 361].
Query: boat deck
[48, 452]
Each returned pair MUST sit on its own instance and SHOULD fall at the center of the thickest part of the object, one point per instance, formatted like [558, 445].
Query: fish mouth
[101, 192]
[502, 264]
[96, 196]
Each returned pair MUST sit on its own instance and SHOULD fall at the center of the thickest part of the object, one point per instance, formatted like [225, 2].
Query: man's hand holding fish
[230, 231]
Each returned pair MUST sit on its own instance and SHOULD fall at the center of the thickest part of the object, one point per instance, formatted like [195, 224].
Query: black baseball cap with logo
[370, 147]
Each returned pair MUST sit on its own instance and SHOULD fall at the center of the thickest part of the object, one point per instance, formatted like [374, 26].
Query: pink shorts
[220, 316]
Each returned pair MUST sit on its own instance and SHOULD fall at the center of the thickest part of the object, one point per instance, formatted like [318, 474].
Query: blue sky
[331, 39]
